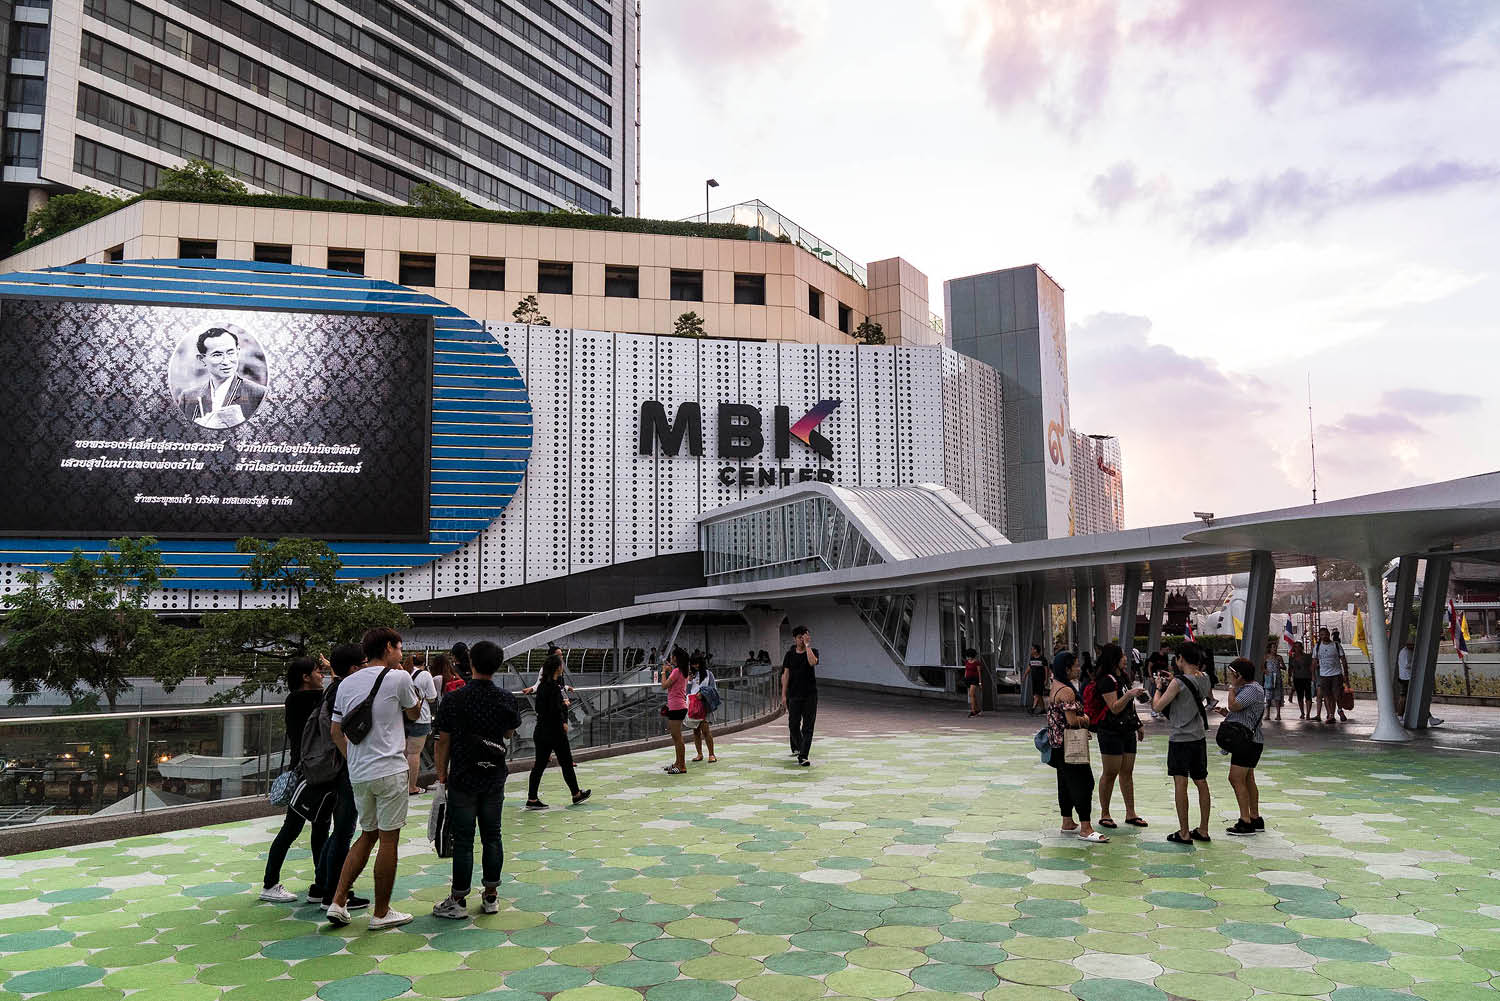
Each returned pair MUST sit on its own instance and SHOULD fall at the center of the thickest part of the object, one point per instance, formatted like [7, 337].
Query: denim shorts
[414, 729]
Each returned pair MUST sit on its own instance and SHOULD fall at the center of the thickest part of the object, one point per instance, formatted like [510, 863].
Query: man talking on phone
[799, 693]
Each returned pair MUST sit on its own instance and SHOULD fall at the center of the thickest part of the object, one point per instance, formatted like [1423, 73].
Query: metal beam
[1083, 598]
[1102, 633]
[1158, 612]
[1406, 585]
[1258, 606]
[1429, 632]
[1129, 599]
[1387, 726]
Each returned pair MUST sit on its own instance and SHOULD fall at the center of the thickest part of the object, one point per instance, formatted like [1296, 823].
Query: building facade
[531, 104]
[1098, 484]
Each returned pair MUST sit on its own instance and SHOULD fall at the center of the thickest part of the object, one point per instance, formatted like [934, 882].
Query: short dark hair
[970, 652]
[344, 658]
[297, 670]
[799, 631]
[215, 332]
[486, 657]
[1244, 667]
[420, 657]
[550, 665]
[1110, 658]
[1192, 653]
[376, 640]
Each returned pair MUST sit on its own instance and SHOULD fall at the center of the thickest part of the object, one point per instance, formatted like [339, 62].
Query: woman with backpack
[703, 691]
[1240, 735]
[304, 682]
[1075, 782]
[1110, 704]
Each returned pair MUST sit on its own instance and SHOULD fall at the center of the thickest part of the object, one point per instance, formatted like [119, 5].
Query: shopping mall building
[493, 475]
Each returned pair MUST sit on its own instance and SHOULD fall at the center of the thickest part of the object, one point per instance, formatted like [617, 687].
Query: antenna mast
[1312, 447]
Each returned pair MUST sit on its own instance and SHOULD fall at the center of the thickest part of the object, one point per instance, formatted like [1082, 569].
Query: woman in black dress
[551, 734]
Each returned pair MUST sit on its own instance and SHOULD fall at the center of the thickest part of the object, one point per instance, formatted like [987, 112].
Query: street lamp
[710, 183]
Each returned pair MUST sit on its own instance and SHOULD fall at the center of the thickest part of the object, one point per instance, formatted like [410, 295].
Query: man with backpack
[323, 763]
[1181, 700]
[473, 724]
[367, 727]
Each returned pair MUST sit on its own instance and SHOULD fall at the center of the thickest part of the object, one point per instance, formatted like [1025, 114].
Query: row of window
[26, 95]
[163, 82]
[28, 41]
[560, 20]
[599, 15]
[23, 149]
[460, 21]
[621, 281]
[202, 51]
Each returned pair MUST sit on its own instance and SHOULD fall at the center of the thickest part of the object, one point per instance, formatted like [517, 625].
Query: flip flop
[1136, 822]
[712, 758]
[1094, 839]
[1105, 822]
[1067, 831]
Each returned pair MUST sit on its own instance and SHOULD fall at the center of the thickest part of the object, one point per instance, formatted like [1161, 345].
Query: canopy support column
[1158, 611]
[1406, 586]
[1429, 632]
[1083, 598]
[1102, 633]
[1258, 607]
[1129, 598]
[1387, 727]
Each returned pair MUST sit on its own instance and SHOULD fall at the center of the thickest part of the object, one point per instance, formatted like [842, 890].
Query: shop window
[197, 249]
[273, 253]
[687, 286]
[418, 269]
[349, 261]
[622, 281]
[555, 277]
[814, 302]
[750, 290]
[487, 273]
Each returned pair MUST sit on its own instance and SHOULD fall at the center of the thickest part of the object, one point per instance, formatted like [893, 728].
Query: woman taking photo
[1075, 783]
[1247, 707]
[674, 678]
[304, 681]
[1119, 733]
[551, 734]
[702, 681]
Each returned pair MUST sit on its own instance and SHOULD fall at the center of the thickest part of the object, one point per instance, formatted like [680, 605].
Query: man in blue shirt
[473, 724]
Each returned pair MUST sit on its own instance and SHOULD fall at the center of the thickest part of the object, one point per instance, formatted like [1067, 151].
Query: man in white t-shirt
[1403, 675]
[377, 771]
[1332, 674]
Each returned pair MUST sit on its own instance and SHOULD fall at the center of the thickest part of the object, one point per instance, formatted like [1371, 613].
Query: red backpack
[1093, 705]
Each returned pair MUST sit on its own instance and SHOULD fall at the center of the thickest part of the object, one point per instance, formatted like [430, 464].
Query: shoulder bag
[1075, 746]
[359, 721]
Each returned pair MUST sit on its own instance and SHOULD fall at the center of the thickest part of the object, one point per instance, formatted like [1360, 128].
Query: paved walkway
[919, 856]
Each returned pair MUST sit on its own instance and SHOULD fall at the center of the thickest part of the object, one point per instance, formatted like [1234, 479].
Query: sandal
[1136, 822]
[712, 758]
[1178, 839]
[698, 758]
[1066, 831]
[1107, 822]
[1094, 839]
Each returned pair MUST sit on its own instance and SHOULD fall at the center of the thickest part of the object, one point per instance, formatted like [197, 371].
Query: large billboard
[1057, 444]
[192, 422]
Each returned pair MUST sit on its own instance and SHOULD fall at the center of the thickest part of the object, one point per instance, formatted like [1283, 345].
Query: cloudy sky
[1235, 195]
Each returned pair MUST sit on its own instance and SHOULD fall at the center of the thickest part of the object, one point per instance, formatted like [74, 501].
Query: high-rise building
[1098, 485]
[1012, 321]
[515, 104]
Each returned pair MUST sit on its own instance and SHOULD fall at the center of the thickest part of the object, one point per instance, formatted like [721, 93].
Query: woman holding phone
[1119, 732]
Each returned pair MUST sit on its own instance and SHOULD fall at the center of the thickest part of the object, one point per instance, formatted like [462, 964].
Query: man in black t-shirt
[799, 692]
[472, 723]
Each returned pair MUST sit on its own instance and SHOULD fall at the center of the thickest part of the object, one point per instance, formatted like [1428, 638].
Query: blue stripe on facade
[476, 387]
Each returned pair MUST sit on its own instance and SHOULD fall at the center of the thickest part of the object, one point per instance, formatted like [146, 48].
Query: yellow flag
[1361, 641]
[1239, 628]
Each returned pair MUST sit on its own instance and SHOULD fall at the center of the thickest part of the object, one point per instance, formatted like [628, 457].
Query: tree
[437, 197]
[528, 312]
[64, 212]
[869, 332]
[81, 626]
[199, 177]
[689, 325]
[319, 612]
[1336, 569]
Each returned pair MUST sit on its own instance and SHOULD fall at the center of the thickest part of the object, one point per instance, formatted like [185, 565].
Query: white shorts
[382, 802]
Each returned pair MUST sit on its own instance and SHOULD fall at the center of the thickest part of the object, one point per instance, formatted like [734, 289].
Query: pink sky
[1236, 196]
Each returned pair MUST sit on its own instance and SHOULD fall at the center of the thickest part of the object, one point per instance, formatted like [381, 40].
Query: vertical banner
[1057, 444]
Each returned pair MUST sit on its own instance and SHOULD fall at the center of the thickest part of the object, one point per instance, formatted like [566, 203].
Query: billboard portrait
[201, 422]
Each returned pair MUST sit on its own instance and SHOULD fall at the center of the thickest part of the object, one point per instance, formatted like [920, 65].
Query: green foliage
[528, 312]
[199, 177]
[434, 196]
[319, 612]
[80, 627]
[869, 332]
[689, 324]
[1335, 569]
[66, 212]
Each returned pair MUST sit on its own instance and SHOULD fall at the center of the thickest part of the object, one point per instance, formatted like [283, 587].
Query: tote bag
[1075, 747]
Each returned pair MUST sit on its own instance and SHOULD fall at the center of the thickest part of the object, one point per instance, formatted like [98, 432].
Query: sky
[1238, 198]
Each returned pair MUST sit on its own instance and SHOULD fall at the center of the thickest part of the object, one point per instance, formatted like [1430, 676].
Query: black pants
[548, 744]
[336, 848]
[1075, 790]
[291, 829]
[801, 714]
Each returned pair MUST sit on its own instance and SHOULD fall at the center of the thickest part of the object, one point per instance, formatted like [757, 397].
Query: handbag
[1233, 737]
[283, 785]
[312, 802]
[695, 707]
[1346, 698]
[1075, 747]
[1043, 743]
[439, 830]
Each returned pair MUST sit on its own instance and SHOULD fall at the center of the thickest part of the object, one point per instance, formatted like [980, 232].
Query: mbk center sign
[741, 437]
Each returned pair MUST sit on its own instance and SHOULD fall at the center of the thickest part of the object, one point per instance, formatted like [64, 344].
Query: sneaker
[535, 804]
[449, 907]
[585, 794]
[393, 919]
[1241, 829]
[804, 762]
[1259, 823]
[1199, 835]
[314, 894]
[278, 894]
[356, 903]
[490, 903]
[338, 916]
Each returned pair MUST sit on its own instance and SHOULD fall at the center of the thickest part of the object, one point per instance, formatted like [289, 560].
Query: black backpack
[359, 721]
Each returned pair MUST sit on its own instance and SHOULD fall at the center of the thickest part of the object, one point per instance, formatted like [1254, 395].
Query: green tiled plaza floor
[921, 864]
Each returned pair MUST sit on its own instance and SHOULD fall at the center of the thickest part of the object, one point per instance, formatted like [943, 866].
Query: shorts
[415, 729]
[692, 724]
[1188, 757]
[677, 714]
[382, 802]
[1248, 758]
[970, 682]
[1331, 688]
[1402, 684]
[1112, 743]
[1303, 687]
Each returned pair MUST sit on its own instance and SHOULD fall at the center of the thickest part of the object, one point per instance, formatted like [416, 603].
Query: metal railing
[53, 768]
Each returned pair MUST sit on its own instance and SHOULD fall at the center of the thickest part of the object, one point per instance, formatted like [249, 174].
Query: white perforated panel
[968, 469]
[549, 381]
[983, 427]
[952, 438]
[799, 393]
[919, 405]
[10, 578]
[838, 379]
[591, 481]
[719, 382]
[878, 426]
[760, 370]
[677, 477]
[635, 474]
[502, 545]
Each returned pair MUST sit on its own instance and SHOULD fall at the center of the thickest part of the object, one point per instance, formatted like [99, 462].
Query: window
[814, 302]
[351, 261]
[29, 42]
[115, 253]
[750, 290]
[555, 277]
[197, 249]
[487, 273]
[687, 286]
[622, 282]
[418, 269]
[273, 253]
[846, 319]
[23, 149]
[26, 95]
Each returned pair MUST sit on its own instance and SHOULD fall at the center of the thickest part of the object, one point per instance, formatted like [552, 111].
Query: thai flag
[1287, 631]
[1192, 637]
[1460, 630]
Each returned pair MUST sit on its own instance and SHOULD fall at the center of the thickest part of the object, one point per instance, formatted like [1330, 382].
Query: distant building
[1098, 485]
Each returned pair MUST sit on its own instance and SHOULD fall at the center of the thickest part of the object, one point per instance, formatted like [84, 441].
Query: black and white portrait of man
[219, 377]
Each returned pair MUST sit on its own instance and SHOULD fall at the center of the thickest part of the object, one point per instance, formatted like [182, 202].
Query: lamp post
[710, 183]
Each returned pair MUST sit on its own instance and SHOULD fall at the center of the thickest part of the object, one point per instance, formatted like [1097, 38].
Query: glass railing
[767, 224]
[56, 768]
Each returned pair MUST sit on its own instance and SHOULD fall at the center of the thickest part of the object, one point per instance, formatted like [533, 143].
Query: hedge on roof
[560, 220]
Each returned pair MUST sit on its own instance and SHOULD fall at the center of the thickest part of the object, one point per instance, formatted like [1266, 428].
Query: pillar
[1158, 613]
[1406, 585]
[36, 198]
[1102, 632]
[1387, 726]
[1129, 598]
[765, 630]
[1429, 632]
[1083, 597]
[1258, 606]
[232, 745]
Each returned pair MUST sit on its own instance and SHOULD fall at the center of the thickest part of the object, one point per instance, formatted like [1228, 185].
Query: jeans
[801, 714]
[336, 848]
[464, 808]
[291, 829]
[548, 744]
